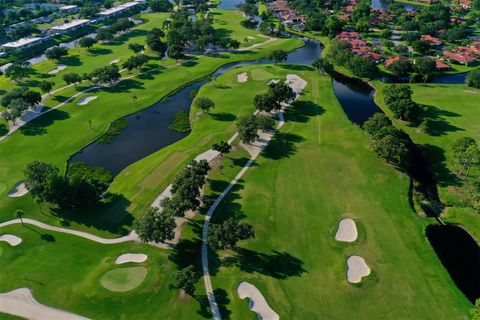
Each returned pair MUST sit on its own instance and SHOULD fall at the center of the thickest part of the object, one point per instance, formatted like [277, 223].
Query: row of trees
[108, 33]
[466, 156]
[422, 69]
[18, 101]
[101, 76]
[81, 187]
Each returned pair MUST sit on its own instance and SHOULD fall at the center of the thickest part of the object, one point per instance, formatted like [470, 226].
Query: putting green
[123, 279]
[261, 74]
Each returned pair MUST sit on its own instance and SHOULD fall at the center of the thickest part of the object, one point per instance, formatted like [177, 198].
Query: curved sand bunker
[123, 279]
[11, 239]
[20, 302]
[131, 257]
[86, 99]
[296, 83]
[357, 268]
[59, 68]
[19, 190]
[257, 302]
[347, 231]
[242, 77]
[116, 61]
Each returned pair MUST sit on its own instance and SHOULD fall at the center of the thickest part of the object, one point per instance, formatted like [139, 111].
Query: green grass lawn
[59, 134]
[454, 111]
[228, 22]
[65, 273]
[318, 170]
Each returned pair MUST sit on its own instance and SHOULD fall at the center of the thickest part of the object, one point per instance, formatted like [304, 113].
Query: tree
[18, 70]
[135, 62]
[264, 122]
[55, 53]
[160, 5]
[404, 109]
[46, 86]
[136, 47]
[393, 150]
[265, 102]
[247, 129]
[323, 66]
[425, 66]
[155, 226]
[16, 93]
[466, 154]
[38, 174]
[401, 67]
[87, 42]
[104, 35]
[281, 92]
[363, 67]
[473, 79]
[227, 234]
[32, 97]
[475, 201]
[105, 75]
[376, 124]
[72, 78]
[223, 147]
[19, 214]
[204, 103]
[185, 279]
[278, 56]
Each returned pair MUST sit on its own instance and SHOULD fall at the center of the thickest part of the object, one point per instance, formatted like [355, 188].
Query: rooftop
[119, 8]
[72, 24]
[21, 42]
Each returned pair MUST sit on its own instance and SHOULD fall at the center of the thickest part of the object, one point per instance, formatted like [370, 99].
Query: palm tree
[19, 214]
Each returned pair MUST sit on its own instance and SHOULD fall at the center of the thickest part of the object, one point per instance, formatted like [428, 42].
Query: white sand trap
[347, 231]
[296, 83]
[11, 239]
[21, 303]
[242, 77]
[131, 257]
[86, 99]
[116, 61]
[19, 190]
[250, 37]
[257, 302]
[59, 68]
[357, 268]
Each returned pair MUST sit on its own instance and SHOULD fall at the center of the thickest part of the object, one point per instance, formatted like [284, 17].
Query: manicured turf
[228, 23]
[123, 279]
[65, 271]
[454, 111]
[58, 135]
[318, 170]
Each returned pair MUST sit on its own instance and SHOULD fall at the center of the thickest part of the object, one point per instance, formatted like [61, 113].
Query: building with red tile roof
[391, 61]
[458, 57]
[429, 38]
[440, 65]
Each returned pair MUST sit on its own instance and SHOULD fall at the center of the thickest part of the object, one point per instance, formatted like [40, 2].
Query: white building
[115, 11]
[69, 9]
[70, 26]
[23, 43]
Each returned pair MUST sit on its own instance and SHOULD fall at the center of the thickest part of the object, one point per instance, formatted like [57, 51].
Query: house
[428, 38]
[391, 61]
[118, 10]
[458, 57]
[69, 9]
[471, 51]
[22, 44]
[440, 65]
[71, 26]
[346, 35]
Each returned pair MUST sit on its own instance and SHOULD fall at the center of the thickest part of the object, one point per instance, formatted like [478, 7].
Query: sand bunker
[116, 61]
[19, 190]
[86, 99]
[242, 77]
[131, 257]
[357, 268]
[11, 239]
[59, 68]
[21, 303]
[250, 37]
[123, 279]
[347, 231]
[296, 83]
[257, 302]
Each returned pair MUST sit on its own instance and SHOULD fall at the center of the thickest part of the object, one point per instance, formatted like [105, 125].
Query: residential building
[71, 26]
[118, 10]
[458, 57]
[23, 43]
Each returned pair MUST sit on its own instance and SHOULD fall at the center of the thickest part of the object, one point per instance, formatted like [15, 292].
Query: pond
[230, 4]
[383, 4]
[460, 254]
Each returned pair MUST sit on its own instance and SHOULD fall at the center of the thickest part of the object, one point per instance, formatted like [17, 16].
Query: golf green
[123, 279]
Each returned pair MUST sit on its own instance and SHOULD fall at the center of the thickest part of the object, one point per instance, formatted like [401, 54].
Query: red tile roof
[390, 61]
[429, 38]
[461, 58]
[439, 64]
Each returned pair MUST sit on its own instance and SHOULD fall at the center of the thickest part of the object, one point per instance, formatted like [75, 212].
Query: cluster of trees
[421, 70]
[18, 101]
[466, 155]
[399, 99]
[204, 103]
[323, 66]
[103, 75]
[160, 5]
[248, 126]
[55, 53]
[391, 144]
[154, 42]
[135, 62]
[278, 92]
[159, 225]
[226, 235]
[249, 8]
[341, 54]
[108, 33]
[86, 42]
[81, 187]
[19, 70]
[473, 79]
[317, 19]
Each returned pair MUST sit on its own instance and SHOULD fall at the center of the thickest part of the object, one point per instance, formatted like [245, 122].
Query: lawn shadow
[278, 265]
[439, 123]
[222, 300]
[3, 129]
[125, 86]
[72, 61]
[189, 63]
[302, 111]
[99, 51]
[444, 177]
[223, 116]
[282, 145]
[39, 125]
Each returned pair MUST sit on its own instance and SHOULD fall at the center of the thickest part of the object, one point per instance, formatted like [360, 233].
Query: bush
[473, 79]
[181, 122]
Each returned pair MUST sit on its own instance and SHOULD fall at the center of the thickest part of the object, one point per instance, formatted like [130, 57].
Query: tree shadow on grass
[444, 176]
[222, 300]
[109, 215]
[60, 98]
[3, 129]
[302, 111]
[125, 86]
[439, 122]
[223, 116]
[39, 125]
[99, 51]
[72, 61]
[190, 63]
[282, 146]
